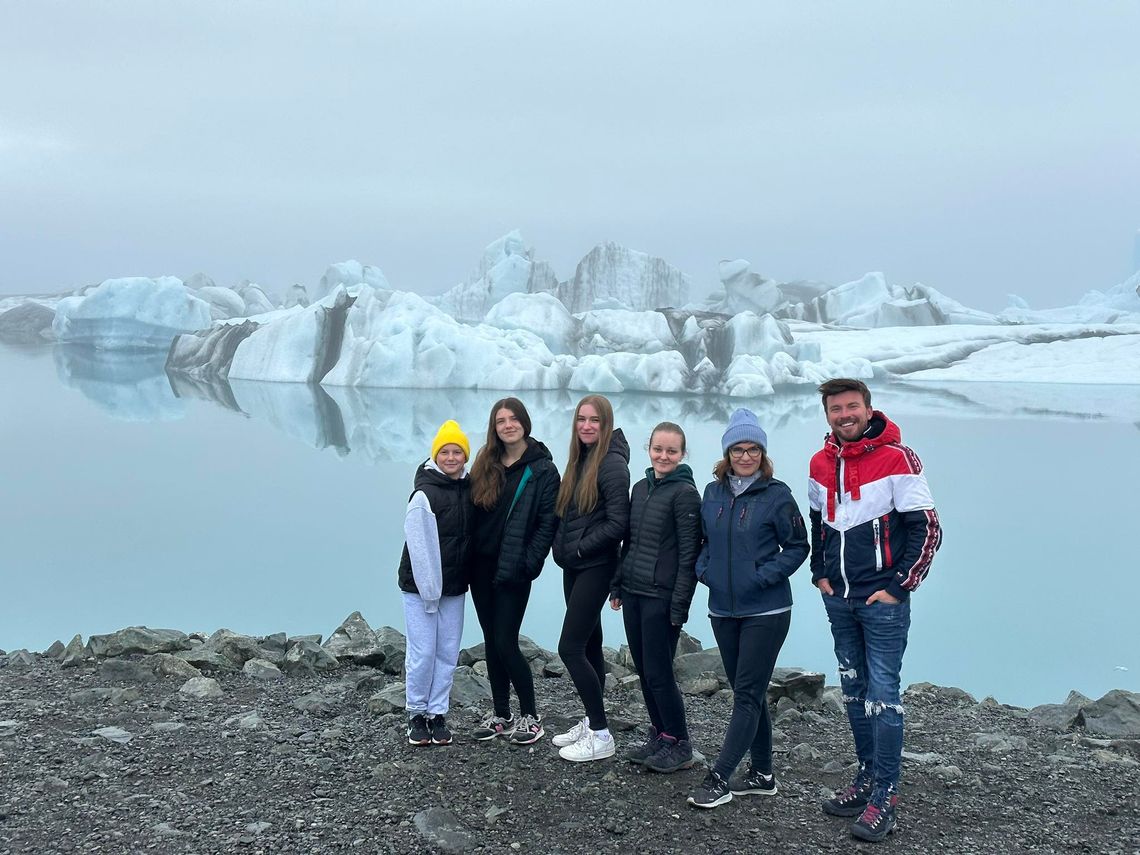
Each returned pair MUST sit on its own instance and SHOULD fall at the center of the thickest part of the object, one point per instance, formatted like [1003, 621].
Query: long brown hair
[488, 474]
[724, 466]
[581, 488]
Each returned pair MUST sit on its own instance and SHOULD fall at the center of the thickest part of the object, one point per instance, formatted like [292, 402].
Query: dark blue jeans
[869, 645]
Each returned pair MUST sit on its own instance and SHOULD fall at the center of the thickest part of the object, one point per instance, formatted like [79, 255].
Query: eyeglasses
[753, 451]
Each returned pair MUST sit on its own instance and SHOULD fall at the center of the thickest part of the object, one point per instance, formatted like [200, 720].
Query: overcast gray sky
[982, 148]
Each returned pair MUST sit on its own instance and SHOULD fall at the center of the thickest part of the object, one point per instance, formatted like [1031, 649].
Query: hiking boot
[591, 745]
[878, 818]
[418, 732]
[753, 784]
[851, 800]
[673, 755]
[492, 726]
[440, 734]
[713, 791]
[572, 735]
[528, 730]
[641, 753]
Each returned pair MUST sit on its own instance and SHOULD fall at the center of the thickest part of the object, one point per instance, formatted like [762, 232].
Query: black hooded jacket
[663, 541]
[517, 532]
[584, 541]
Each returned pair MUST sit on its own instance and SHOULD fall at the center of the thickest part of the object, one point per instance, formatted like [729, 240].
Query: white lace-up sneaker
[572, 735]
[591, 745]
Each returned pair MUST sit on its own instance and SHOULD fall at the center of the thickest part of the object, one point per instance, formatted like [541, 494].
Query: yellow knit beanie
[450, 432]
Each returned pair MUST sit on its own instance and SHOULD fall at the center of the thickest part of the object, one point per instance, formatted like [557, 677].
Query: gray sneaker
[673, 756]
[642, 752]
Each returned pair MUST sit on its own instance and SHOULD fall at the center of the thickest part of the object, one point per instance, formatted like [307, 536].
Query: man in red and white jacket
[874, 534]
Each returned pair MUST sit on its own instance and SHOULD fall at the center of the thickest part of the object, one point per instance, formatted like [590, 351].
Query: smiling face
[508, 428]
[745, 458]
[450, 459]
[587, 424]
[666, 449]
[848, 415]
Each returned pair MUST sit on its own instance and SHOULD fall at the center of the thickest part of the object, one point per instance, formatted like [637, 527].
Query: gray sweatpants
[432, 653]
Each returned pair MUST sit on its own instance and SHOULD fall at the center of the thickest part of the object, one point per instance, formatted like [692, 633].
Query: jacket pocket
[878, 544]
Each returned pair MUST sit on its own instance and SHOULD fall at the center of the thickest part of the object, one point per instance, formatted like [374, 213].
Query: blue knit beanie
[742, 427]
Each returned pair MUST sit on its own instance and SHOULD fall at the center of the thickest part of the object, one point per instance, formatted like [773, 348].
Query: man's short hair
[839, 385]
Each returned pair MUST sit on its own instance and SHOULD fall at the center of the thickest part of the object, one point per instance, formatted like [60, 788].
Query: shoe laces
[871, 815]
[526, 723]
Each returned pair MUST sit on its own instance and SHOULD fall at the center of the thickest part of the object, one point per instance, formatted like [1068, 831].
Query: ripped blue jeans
[869, 644]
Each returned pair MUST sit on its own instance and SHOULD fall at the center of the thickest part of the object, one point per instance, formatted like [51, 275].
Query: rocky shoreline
[160, 741]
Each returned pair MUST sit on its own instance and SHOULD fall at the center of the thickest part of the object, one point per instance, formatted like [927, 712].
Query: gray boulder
[705, 684]
[325, 705]
[1116, 715]
[201, 687]
[687, 644]
[468, 656]
[55, 651]
[390, 699]
[309, 657]
[262, 669]
[440, 829]
[354, 640]
[205, 658]
[127, 671]
[169, 665]
[1060, 717]
[393, 645]
[803, 687]
[75, 654]
[691, 665]
[235, 648]
[20, 659]
[137, 639]
[949, 695]
[469, 689]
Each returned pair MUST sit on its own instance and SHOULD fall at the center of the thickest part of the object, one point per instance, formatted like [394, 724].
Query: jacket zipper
[842, 533]
[887, 539]
[878, 545]
[731, 587]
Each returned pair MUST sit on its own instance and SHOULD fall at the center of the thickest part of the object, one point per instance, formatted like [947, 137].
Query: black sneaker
[491, 726]
[418, 733]
[440, 735]
[753, 784]
[641, 753]
[527, 731]
[851, 800]
[672, 756]
[713, 791]
[878, 818]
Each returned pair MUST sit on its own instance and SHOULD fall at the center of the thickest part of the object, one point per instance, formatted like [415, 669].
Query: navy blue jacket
[753, 543]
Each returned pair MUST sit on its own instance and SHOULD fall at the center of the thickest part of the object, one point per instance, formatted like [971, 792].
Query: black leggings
[653, 644]
[580, 645]
[500, 609]
[749, 647]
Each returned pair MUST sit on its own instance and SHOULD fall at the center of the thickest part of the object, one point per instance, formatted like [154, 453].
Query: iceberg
[614, 330]
[611, 276]
[507, 267]
[541, 314]
[131, 313]
[350, 275]
[299, 348]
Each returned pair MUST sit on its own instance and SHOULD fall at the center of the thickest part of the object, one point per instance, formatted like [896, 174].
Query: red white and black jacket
[873, 523]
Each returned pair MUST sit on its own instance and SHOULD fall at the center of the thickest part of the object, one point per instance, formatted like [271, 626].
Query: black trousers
[500, 609]
[580, 645]
[749, 647]
[653, 643]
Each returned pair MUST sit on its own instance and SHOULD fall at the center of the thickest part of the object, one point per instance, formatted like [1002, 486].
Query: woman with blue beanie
[755, 539]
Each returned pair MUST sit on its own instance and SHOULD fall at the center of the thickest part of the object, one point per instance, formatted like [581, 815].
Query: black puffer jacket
[663, 541]
[450, 501]
[584, 541]
[528, 530]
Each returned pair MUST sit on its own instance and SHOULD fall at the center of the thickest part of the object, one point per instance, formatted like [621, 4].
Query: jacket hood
[535, 450]
[880, 431]
[618, 447]
[682, 473]
[430, 473]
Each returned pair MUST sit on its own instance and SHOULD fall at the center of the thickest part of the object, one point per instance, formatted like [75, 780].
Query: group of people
[873, 534]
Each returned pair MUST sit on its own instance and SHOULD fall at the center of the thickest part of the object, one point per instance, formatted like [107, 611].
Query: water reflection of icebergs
[129, 385]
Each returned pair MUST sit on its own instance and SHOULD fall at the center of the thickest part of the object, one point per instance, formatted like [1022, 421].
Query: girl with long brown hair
[593, 507]
[514, 483]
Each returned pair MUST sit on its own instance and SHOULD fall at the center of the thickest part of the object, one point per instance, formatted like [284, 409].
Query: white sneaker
[572, 735]
[591, 746]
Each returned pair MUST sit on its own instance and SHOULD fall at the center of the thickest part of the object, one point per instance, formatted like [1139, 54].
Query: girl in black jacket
[593, 506]
[514, 483]
[655, 584]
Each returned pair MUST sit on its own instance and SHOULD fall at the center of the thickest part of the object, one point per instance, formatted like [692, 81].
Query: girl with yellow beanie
[433, 576]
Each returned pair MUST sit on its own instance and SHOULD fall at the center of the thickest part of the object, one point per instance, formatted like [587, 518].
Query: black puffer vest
[450, 501]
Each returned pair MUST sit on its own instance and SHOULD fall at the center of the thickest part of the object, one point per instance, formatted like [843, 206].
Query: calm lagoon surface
[129, 498]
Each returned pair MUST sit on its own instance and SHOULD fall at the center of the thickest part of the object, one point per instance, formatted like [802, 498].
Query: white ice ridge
[621, 323]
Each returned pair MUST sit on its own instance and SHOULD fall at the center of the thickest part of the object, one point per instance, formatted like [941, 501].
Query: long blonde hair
[580, 488]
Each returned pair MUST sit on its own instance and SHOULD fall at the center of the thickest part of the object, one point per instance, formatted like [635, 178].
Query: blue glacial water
[131, 499]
